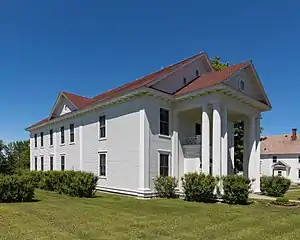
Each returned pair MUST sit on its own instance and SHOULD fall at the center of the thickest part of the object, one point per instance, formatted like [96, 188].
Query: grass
[293, 194]
[115, 217]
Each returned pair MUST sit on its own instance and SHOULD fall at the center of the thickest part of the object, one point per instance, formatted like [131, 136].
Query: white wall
[174, 82]
[291, 160]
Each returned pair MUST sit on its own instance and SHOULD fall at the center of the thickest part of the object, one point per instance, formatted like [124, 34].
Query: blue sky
[87, 47]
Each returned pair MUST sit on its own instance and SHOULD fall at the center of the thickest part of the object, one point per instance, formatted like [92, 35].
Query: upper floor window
[274, 159]
[164, 164]
[298, 173]
[51, 137]
[298, 159]
[35, 140]
[62, 135]
[51, 163]
[242, 85]
[164, 122]
[42, 163]
[102, 126]
[62, 162]
[35, 163]
[42, 139]
[184, 81]
[72, 137]
[102, 164]
[197, 73]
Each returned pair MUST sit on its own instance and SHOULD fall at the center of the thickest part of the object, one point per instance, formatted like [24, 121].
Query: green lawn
[293, 194]
[117, 217]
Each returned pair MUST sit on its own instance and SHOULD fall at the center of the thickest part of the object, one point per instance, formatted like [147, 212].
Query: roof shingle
[280, 144]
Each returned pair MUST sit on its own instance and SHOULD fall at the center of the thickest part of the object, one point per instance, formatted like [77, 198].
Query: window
[35, 163]
[274, 159]
[51, 163]
[298, 173]
[163, 164]
[42, 163]
[298, 159]
[242, 85]
[197, 72]
[184, 80]
[51, 137]
[102, 164]
[102, 127]
[164, 122]
[200, 164]
[279, 173]
[210, 166]
[62, 162]
[62, 135]
[35, 140]
[72, 139]
[198, 129]
[42, 139]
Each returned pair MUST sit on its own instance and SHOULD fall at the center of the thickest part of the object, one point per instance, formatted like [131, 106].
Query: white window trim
[98, 171]
[71, 143]
[102, 138]
[162, 135]
[62, 154]
[167, 152]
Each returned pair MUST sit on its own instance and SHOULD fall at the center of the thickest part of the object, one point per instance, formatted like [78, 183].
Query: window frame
[279, 173]
[102, 126]
[164, 122]
[184, 80]
[197, 73]
[51, 162]
[274, 159]
[299, 173]
[64, 156]
[42, 139]
[168, 153]
[51, 137]
[62, 135]
[42, 163]
[242, 85]
[72, 133]
[35, 140]
[99, 164]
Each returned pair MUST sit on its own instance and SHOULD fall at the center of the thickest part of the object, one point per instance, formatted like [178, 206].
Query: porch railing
[192, 140]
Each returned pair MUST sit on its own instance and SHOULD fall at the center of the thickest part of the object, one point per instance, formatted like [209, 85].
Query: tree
[218, 65]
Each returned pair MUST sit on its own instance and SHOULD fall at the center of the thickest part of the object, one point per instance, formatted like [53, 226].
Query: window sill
[42, 147]
[71, 143]
[51, 146]
[164, 136]
[62, 144]
[102, 177]
[102, 139]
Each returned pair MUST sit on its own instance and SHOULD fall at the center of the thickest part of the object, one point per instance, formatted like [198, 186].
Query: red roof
[211, 78]
[206, 80]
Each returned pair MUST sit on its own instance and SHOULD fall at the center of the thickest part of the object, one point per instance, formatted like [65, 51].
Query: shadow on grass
[32, 201]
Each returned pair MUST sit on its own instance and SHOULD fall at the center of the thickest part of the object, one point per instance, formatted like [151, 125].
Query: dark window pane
[197, 73]
[35, 140]
[62, 163]
[72, 137]
[164, 121]
[102, 127]
[51, 137]
[51, 163]
[102, 165]
[42, 163]
[35, 164]
[164, 165]
[198, 129]
[274, 159]
[42, 139]
[62, 135]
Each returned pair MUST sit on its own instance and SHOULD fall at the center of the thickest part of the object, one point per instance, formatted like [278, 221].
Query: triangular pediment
[280, 164]
[62, 106]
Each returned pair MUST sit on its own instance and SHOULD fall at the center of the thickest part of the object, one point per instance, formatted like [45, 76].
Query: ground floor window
[42, 163]
[279, 173]
[35, 164]
[210, 166]
[298, 173]
[164, 164]
[51, 163]
[102, 164]
[62, 162]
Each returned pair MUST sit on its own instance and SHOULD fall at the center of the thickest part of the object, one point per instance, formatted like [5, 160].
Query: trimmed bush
[165, 186]
[236, 189]
[73, 183]
[198, 186]
[274, 185]
[16, 188]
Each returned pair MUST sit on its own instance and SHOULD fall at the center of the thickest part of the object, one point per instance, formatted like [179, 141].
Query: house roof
[204, 81]
[211, 78]
[280, 144]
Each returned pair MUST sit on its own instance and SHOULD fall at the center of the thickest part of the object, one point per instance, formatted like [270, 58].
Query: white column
[231, 147]
[256, 184]
[205, 142]
[144, 161]
[224, 142]
[175, 142]
[216, 152]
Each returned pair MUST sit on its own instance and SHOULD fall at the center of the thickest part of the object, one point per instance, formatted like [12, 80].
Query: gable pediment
[62, 106]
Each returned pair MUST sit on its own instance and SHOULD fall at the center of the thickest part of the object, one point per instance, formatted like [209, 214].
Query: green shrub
[16, 188]
[274, 185]
[198, 186]
[282, 200]
[236, 189]
[73, 183]
[165, 186]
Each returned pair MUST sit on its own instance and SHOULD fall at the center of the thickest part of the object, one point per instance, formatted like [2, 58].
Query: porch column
[216, 152]
[175, 157]
[224, 142]
[231, 147]
[205, 148]
[256, 184]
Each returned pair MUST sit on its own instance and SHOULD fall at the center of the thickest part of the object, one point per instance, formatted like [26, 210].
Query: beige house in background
[280, 156]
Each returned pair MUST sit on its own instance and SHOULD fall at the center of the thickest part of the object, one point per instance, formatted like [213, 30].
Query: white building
[173, 121]
[280, 156]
